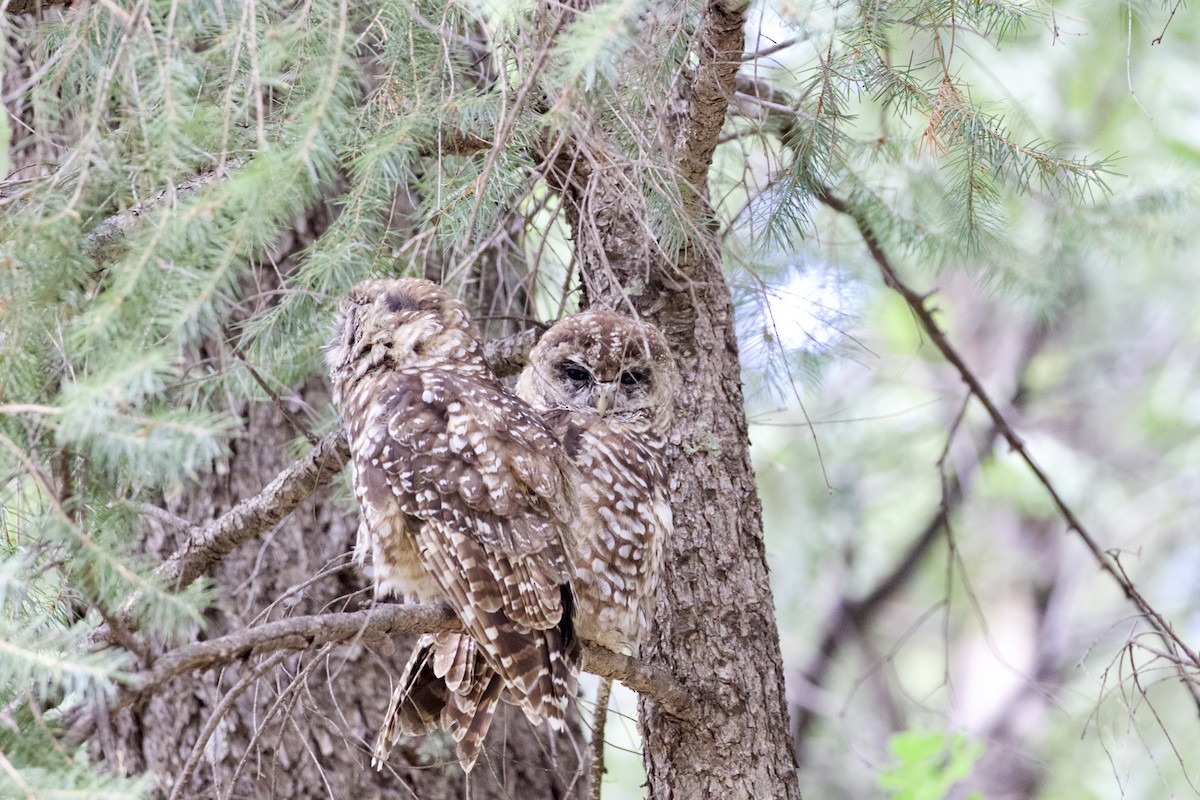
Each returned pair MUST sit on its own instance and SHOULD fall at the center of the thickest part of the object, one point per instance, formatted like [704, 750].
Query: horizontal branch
[647, 680]
[372, 625]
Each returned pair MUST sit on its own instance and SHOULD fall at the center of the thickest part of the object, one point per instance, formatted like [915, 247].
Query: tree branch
[103, 242]
[308, 632]
[719, 41]
[205, 545]
[916, 303]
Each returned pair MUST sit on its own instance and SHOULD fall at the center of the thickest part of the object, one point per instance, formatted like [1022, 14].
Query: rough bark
[715, 628]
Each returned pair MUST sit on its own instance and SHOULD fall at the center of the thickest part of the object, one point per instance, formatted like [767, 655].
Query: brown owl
[466, 499]
[606, 385]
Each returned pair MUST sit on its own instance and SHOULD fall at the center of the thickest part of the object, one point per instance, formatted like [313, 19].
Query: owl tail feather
[448, 683]
[469, 723]
[417, 703]
[445, 685]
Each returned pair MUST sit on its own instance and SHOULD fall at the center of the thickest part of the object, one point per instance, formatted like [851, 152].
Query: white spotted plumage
[606, 385]
[466, 499]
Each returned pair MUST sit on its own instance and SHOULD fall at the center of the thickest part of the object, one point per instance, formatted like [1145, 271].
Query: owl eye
[634, 377]
[574, 372]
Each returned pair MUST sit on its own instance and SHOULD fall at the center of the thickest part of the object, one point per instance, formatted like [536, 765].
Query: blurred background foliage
[1081, 317]
[1033, 164]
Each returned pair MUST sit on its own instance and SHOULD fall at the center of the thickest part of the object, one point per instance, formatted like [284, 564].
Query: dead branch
[205, 545]
[373, 625]
[850, 615]
[916, 304]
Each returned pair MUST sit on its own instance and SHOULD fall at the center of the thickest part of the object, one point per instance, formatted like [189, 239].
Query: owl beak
[604, 401]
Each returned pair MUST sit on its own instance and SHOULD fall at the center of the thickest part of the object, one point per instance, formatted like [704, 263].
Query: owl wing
[487, 491]
[623, 524]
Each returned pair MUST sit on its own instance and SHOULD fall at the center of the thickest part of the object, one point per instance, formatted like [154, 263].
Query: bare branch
[719, 41]
[508, 355]
[850, 615]
[308, 632]
[649, 681]
[775, 48]
[208, 544]
[916, 303]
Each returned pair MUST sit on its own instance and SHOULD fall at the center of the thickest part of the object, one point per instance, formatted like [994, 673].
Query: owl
[606, 386]
[466, 499]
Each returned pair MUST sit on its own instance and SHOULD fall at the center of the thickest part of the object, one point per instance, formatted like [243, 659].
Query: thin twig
[599, 719]
[1158, 39]
[916, 303]
[275, 398]
[775, 48]
[210, 726]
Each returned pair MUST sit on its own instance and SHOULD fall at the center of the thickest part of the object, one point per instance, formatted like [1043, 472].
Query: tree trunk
[715, 627]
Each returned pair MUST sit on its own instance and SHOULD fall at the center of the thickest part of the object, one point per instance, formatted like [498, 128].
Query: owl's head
[401, 323]
[603, 362]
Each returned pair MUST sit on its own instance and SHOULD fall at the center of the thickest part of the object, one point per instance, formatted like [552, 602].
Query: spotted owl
[606, 384]
[466, 499]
